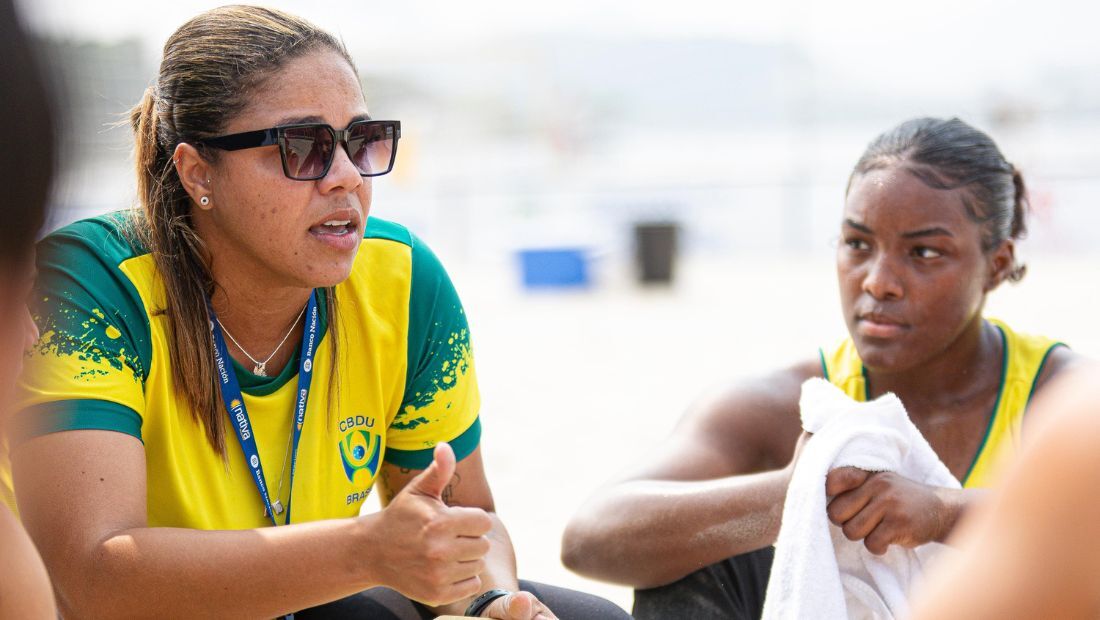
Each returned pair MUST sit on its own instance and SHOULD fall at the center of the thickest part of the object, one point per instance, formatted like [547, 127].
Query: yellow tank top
[1024, 358]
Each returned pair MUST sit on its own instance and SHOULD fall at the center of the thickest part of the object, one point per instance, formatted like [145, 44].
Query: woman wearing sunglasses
[931, 217]
[225, 373]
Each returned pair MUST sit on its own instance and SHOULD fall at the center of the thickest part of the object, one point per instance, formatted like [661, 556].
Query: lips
[333, 227]
[878, 325]
[340, 229]
[348, 219]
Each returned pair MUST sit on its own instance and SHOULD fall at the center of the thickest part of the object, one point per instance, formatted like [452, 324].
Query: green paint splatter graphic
[447, 364]
[90, 338]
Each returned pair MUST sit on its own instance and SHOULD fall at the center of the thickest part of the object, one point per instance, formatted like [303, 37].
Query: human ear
[1002, 264]
[194, 172]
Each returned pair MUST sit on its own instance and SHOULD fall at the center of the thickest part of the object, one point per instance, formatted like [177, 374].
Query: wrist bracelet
[482, 602]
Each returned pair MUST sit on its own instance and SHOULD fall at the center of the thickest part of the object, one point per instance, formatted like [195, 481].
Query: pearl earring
[205, 200]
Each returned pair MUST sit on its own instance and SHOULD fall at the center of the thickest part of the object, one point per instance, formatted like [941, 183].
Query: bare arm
[87, 513]
[1034, 550]
[714, 490]
[24, 585]
[1061, 362]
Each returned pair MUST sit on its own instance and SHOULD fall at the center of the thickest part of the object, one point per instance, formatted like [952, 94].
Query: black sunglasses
[307, 149]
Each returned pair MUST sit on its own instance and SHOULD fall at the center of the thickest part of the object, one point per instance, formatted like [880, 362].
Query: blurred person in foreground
[225, 373]
[1033, 550]
[929, 228]
[26, 167]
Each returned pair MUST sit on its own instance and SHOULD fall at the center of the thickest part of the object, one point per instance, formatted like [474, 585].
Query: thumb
[843, 479]
[520, 606]
[515, 606]
[435, 478]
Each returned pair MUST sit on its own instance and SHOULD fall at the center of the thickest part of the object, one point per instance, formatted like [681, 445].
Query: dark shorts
[732, 588]
[387, 604]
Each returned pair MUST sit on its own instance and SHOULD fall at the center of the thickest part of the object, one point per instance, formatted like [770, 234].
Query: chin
[327, 266]
[888, 357]
[330, 276]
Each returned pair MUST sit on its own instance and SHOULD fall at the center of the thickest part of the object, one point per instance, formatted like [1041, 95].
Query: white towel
[818, 573]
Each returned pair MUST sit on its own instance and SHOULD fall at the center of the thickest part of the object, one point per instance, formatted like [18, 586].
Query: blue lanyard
[238, 415]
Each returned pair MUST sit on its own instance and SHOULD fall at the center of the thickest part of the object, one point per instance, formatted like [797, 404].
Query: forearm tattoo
[388, 492]
[449, 490]
[387, 487]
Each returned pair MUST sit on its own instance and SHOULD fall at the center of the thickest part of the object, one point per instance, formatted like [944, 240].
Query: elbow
[601, 547]
[588, 548]
[86, 588]
[575, 547]
[611, 539]
[68, 608]
[82, 600]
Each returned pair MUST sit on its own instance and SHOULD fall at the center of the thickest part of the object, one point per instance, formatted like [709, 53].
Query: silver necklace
[260, 368]
[277, 506]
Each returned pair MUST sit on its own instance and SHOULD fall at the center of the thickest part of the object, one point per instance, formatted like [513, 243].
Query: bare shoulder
[1061, 361]
[1058, 470]
[744, 426]
[1072, 401]
[1061, 444]
[1046, 507]
[25, 590]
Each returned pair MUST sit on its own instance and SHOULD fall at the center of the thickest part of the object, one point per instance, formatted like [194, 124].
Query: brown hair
[211, 66]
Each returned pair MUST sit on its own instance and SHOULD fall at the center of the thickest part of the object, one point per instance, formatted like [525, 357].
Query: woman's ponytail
[209, 65]
[1020, 207]
[147, 156]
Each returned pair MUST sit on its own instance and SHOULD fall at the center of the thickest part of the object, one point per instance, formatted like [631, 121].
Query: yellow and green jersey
[7, 489]
[1024, 358]
[406, 378]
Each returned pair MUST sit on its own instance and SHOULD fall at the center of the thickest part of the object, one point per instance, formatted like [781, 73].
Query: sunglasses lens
[370, 147]
[307, 151]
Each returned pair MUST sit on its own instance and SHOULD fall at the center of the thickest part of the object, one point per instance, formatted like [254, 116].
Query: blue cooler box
[554, 268]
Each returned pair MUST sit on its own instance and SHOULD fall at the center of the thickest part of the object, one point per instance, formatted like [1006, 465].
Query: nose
[882, 281]
[342, 175]
[30, 331]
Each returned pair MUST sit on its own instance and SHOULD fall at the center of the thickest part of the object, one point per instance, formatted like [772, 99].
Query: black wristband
[482, 602]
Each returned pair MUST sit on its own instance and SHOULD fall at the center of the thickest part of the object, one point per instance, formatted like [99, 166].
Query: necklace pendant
[260, 370]
[276, 506]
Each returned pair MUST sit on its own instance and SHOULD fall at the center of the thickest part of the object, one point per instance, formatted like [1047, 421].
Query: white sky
[912, 46]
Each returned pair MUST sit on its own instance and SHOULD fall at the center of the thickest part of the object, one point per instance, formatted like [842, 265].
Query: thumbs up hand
[426, 550]
[432, 481]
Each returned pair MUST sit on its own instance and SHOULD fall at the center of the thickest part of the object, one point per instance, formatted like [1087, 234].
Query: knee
[574, 604]
[603, 609]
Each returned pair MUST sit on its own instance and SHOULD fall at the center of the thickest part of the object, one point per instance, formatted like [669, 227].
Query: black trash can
[655, 249]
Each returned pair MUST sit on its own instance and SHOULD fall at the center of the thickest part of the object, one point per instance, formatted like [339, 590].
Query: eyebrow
[302, 120]
[856, 225]
[934, 231]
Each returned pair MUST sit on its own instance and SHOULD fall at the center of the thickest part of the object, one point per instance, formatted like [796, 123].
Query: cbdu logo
[360, 450]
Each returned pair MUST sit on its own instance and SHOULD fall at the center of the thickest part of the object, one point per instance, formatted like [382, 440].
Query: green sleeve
[441, 401]
[89, 366]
